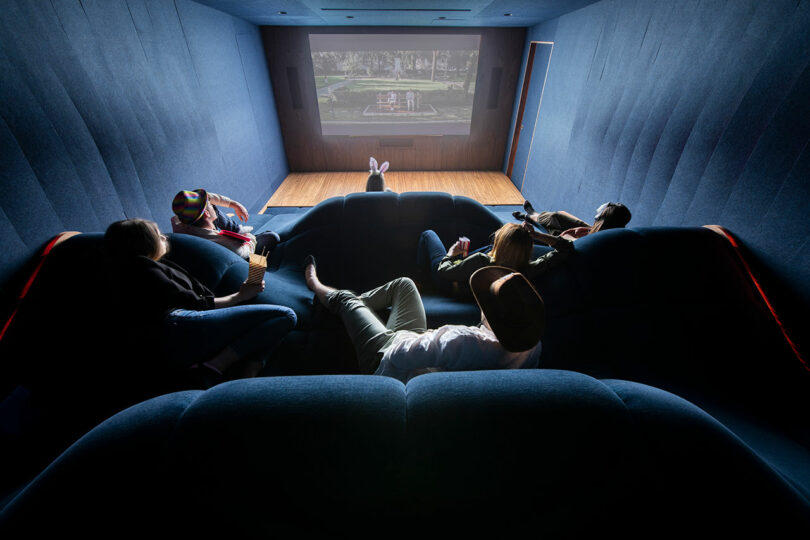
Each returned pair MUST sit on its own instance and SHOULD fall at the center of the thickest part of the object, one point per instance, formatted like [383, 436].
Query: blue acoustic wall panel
[691, 113]
[109, 107]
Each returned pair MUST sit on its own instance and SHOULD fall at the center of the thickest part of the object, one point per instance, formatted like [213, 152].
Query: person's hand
[241, 211]
[455, 249]
[575, 232]
[247, 291]
[533, 232]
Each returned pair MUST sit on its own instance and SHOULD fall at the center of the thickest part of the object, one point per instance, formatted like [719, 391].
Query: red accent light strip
[55, 240]
[750, 273]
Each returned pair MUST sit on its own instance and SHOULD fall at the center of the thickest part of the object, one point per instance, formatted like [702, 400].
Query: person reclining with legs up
[610, 215]
[508, 337]
[196, 213]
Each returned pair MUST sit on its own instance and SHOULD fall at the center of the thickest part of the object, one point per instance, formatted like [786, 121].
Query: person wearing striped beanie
[196, 213]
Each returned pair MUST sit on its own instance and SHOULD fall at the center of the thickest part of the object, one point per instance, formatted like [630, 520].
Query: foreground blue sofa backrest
[541, 452]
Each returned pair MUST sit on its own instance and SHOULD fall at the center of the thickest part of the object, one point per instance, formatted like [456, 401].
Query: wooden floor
[308, 189]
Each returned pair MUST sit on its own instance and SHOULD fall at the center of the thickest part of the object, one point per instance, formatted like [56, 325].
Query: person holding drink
[449, 271]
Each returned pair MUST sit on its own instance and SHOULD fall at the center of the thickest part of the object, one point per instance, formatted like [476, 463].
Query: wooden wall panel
[287, 47]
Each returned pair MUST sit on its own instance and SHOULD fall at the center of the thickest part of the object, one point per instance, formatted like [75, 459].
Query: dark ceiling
[493, 13]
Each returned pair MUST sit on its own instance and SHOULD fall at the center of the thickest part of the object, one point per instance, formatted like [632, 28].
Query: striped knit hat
[190, 205]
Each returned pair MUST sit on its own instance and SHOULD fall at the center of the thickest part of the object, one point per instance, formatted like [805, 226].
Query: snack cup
[257, 267]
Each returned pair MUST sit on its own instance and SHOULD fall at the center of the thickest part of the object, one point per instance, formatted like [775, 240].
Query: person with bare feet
[610, 215]
[512, 324]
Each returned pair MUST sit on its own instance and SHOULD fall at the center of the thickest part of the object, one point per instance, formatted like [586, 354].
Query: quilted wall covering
[691, 113]
[110, 107]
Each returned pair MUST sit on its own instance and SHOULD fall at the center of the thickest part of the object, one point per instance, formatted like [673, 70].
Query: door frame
[527, 75]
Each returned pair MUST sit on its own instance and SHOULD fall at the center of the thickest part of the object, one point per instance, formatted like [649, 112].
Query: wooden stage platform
[310, 188]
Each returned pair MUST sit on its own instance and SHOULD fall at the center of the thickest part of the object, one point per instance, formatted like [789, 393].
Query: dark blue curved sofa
[667, 402]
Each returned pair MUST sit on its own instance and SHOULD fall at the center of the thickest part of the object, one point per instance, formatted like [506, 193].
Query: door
[531, 97]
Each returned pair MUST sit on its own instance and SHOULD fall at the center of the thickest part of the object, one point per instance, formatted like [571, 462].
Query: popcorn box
[258, 265]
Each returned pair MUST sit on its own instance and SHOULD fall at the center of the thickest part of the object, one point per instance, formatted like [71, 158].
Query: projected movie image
[395, 84]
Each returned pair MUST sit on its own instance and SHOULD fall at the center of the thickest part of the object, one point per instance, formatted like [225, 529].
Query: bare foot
[311, 273]
[313, 283]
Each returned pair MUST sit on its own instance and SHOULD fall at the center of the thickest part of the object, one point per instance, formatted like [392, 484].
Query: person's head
[376, 176]
[511, 306]
[135, 237]
[611, 215]
[512, 246]
[193, 208]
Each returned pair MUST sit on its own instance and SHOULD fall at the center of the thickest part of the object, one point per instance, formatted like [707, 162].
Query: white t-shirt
[451, 348]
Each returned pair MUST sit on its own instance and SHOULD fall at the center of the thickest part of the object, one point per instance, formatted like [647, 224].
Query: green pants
[556, 223]
[368, 333]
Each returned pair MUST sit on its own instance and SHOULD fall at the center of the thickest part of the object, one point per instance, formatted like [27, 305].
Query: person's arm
[575, 232]
[562, 250]
[156, 287]
[246, 292]
[157, 284]
[553, 241]
[453, 268]
[236, 206]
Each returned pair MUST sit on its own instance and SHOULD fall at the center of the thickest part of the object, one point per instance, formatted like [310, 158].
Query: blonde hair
[511, 247]
[133, 237]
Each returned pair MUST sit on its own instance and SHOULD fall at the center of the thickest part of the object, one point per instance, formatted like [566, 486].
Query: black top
[152, 289]
[459, 268]
[144, 292]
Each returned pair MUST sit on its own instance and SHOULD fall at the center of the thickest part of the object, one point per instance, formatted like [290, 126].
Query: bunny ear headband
[372, 165]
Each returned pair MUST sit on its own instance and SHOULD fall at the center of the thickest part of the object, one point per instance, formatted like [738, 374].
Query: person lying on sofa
[508, 337]
[610, 215]
[196, 336]
[511, 247]
[196, 213]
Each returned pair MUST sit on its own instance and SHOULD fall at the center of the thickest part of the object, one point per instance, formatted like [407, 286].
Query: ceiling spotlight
[507, 14]
[282, 12]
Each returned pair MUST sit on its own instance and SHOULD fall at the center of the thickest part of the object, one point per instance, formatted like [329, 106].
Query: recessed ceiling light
[282, 12]
[507, 14]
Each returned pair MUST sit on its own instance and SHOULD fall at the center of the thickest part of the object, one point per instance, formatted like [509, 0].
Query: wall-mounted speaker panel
[295, 87]
[388, 142]
[494, 87]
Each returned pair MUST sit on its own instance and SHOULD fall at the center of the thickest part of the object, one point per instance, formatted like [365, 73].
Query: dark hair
[613, 216]
[132, 237]
[375, 182]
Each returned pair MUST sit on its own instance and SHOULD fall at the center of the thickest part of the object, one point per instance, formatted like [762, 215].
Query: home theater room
[253, 280]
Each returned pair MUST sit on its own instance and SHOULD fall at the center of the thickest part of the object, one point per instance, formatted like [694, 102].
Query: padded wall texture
[690, 112]
[109, 107]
